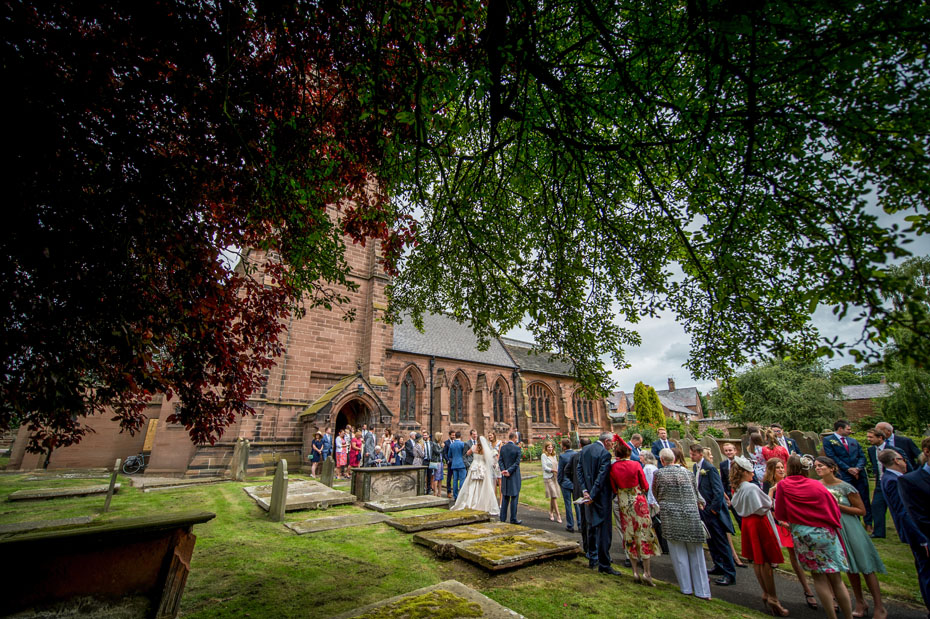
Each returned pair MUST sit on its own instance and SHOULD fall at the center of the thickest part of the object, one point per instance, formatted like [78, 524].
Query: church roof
[443, 337]
[542, 362]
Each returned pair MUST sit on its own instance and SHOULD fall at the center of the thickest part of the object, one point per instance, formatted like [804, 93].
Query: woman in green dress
[860, 551]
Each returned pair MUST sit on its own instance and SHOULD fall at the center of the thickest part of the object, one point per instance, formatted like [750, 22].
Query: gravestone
[401, 503]
[240, 459]
[106, 504]
[301, 494]
[674, 435]
[744, 441]
[440, 520]
[816, 441]
[509, 551]
[56, 493]
[449, 598]
[278, 505]
[345, 521]
[328, 472]
[685, 446]
[711, 443]
[805, 444]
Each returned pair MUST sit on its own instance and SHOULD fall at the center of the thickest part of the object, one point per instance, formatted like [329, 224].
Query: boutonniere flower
[833, 441]
[703, 471]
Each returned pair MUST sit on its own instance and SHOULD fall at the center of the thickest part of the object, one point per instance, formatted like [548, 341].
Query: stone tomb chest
[376, 482]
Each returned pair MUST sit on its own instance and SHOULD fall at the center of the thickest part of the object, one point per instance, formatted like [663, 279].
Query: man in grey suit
[509, 461]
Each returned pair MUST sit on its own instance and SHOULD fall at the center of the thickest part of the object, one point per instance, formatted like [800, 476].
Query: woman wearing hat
[758, 533]
[419, 450]
[316, 453]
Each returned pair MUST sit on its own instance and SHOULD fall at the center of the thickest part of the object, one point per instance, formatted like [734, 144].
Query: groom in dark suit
[593, 475]
[510, 478]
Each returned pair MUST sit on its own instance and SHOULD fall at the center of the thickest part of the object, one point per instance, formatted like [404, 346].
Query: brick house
[681, 404]
[858, 401]
[336, 372]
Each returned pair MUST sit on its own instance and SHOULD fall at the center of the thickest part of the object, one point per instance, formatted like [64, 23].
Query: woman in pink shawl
[814, 517]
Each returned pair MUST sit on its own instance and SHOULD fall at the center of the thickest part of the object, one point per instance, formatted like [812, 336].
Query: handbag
[706, 532]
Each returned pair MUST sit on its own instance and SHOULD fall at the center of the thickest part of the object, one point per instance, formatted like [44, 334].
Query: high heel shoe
[551, 517]
[647, 580]
[777, 609]
[558, 519]
[810, 600]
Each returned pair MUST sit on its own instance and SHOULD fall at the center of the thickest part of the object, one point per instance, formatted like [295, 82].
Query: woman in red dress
[639, 538]
[772, 449]
[759, 537]
[355, 450]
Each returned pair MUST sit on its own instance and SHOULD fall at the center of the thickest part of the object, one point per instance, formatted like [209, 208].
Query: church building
[335, 373]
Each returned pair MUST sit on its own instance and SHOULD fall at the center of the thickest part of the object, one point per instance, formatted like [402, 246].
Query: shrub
[715, 432]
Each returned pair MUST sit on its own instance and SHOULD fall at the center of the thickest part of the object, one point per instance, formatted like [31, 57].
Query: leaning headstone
[674, 434]
[744, 440]
[327, 472]
[278, 504]
[240, 459]
[106, 504]
[805, 444]
[709, 442]
[815, 440]
[685, 446]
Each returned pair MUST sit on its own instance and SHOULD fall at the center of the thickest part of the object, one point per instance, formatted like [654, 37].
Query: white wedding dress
[477, 490]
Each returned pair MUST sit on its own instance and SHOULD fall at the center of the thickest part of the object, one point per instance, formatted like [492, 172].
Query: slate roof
[865, 392]
[674, 406]
[685, 396]
[444, 337]
[542, 362]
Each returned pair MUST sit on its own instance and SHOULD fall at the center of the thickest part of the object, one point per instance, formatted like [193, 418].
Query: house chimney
[671, 384]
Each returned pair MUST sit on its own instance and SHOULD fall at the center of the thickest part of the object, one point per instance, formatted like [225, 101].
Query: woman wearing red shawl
[814, 517]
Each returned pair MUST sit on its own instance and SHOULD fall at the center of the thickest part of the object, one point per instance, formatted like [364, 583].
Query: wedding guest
[790, 445]
[386, 445]
[342, 453]
[355, 450]
[564, 479]
[877, 443]
[715, 517]
[419, 449]
[400, 450]
[448, 460]
[639, 539]
[327, 443]
[729, 452]
[377, 458]
[316, 453]
[814, 518]
[860, 552]
[755, 455]
[908, 497]
[901, 442]
[593, 473]
[772, 449]
[774, 473]
[758, 535]
[496, 446]
[583, 527]
[550, 464]
[663, 442]
[648, 462]
[435, 463]
[679, 457]
[850, 458]
[680, 506]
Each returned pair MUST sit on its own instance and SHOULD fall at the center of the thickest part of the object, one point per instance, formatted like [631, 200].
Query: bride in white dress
[478, 489]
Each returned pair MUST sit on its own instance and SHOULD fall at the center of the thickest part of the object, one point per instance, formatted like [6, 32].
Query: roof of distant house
[674, 406]
[686, 396]
[865, 392]
[529, 361]
[443, 336]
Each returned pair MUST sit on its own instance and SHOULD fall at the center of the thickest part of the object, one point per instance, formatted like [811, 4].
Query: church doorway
[353, 413]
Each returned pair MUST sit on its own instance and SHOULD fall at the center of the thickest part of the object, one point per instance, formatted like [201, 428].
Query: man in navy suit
[593, 475]
[456, 456]
[565, 483]
[879, 506]
[662, 443]
[850, 458]
[635, 443]
[714, 516]
[729, 452]
[509, 461]
[907, 498]
[583, 526]
[902, 443]
[785, 441]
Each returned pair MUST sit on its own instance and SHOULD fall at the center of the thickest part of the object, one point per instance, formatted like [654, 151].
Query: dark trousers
[879, 508]
[449, 479]
[587, 544]
[509, 502]
[657, 527]
[567, 499]
[599, 540]
[739, 521]
[922, 563]
[718, 545]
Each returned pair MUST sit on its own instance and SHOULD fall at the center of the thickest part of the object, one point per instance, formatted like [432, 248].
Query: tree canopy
[569, 162]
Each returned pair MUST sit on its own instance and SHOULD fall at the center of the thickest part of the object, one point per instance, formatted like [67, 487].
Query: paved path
[745, 592]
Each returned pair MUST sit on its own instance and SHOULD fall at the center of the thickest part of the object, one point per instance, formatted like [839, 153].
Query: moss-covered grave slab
[301, 494]
[441, 540]
[509, 551]
[57, 493]
[412, 524]
[399, 504]
[449, 599]
[335, 522]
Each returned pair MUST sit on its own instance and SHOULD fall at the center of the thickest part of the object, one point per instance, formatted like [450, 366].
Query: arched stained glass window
[583, 409]
[456, 402]
[408, 399]
[540, 404]
[497, 399]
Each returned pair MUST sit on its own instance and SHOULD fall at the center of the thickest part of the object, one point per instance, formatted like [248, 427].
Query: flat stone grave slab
[399, 504]
[97, 473]
[173, 482]
[16, 527]
[57, 493]
[301, 494]
[412, 524]
[509, 551]
[449, 598]
[335, 522]
[441, 540]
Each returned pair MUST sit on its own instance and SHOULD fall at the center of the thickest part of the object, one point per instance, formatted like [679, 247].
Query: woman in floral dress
[814, 517]
[639, 538]
[860, 551]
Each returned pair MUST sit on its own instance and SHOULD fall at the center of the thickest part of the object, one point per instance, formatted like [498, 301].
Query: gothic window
[497, 399]
[540, 403]
[408, 399]
[583, 409]
[456, 402]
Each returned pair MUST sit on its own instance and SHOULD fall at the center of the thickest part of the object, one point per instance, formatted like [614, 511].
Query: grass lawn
[244, 565]
[899, 583]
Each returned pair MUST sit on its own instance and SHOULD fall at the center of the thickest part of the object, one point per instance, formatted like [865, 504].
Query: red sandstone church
[335, 373]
